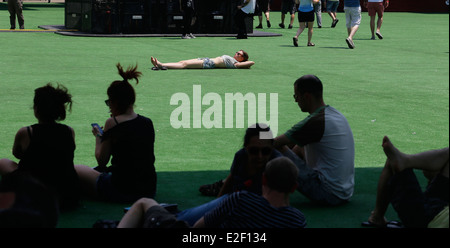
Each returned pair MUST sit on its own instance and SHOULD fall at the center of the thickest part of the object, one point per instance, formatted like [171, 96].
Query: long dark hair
[120, 93]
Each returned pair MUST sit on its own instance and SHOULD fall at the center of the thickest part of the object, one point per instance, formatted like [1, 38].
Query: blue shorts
[332, 6]
[108, 192]
[208, 63]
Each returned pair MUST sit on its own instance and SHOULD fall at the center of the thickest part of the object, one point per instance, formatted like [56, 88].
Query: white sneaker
[186, 36]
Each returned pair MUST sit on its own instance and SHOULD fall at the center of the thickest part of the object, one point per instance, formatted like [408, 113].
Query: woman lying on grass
[238, 61]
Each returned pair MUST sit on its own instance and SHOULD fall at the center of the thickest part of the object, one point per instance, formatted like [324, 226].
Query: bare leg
[292, 19]
[310, 33]
[381, 201]
[134, 218]
[434, 160]
[352, 31]
[184, 64]
[379, 22]
[302, 27]
[372, 26]
[7, 166]
[88, 179]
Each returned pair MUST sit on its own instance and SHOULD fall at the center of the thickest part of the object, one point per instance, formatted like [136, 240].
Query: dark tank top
[49, 158]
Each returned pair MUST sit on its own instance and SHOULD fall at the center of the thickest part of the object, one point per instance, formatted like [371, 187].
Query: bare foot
[395, 157]
[154, 62]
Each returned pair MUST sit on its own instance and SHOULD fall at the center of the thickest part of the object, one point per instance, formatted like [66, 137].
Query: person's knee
[7, 166]
[146, 203]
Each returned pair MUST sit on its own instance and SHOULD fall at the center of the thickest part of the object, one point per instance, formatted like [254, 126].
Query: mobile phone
[98, 127]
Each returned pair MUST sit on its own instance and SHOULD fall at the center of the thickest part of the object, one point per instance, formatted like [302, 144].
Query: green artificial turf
[397, 86]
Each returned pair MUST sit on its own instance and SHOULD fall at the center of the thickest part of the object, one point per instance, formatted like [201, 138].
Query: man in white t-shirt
[376, 7]
[246, 9]
[323, 146]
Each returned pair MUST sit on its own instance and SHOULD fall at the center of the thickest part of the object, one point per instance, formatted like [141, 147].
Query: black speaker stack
[150, 16]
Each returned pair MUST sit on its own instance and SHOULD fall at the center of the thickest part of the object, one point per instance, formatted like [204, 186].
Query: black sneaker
[334, 23]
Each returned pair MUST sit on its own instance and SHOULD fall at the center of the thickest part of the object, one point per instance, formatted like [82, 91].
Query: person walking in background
[305, 17]
[15, 8]
[318, 12]
[263, 7]
[376, 7]
[332, 6]
[287, 7]
[352, 10]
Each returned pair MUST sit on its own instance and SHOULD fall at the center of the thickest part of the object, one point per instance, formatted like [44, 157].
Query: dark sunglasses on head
[256, 150]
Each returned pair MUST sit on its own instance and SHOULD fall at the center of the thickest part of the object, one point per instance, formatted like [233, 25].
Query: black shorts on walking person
[306, 16]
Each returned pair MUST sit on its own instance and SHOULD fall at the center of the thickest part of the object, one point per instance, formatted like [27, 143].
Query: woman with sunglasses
[128, 140]
[250, 161]
[246, 170]
[238, 61]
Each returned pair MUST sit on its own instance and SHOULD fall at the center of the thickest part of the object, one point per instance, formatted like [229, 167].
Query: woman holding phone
[128, 140]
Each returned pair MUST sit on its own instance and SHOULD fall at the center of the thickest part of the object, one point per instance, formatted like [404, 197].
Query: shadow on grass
[182, 188]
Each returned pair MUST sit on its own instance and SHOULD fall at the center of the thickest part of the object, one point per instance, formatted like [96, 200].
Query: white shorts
[352, 16]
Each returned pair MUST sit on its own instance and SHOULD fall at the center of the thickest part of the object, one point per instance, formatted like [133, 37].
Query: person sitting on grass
[238, 61]
[246, 170]
[247, 166]
[128, 140]
[26, 203]
[240, 210]
[399, 186]
[46, 149]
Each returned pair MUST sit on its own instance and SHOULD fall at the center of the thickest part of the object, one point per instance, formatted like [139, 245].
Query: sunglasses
[264, 151]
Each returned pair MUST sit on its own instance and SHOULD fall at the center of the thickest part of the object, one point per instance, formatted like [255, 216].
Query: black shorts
[262, 6]
[414, 207]
[306, 16]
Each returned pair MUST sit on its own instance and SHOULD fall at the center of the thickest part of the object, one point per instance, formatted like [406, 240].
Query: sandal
[295, 41]
[156, 68]
[389, 224]
[211, 189]
[311, 44]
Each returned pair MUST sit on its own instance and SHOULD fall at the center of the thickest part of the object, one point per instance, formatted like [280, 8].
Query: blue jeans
[192, 215]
